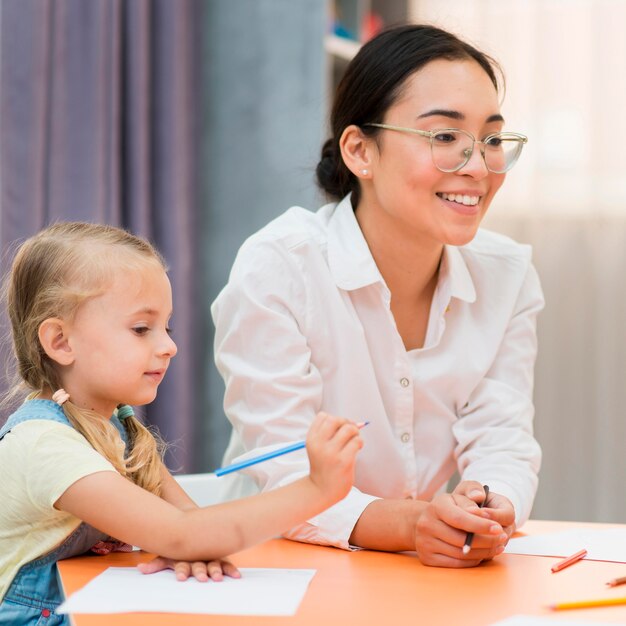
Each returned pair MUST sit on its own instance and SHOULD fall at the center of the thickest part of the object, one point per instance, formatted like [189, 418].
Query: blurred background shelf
[352, 23]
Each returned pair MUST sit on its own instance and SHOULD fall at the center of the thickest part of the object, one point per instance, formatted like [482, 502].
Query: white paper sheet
[257, 592]
[534, 620]
[608, 544]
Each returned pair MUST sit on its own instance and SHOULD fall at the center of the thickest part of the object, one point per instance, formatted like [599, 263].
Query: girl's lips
[156, 375]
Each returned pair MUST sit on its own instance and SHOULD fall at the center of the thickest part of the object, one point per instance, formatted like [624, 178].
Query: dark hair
[373, 81]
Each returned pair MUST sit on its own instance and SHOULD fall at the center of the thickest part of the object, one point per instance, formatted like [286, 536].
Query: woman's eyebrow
[457, 115]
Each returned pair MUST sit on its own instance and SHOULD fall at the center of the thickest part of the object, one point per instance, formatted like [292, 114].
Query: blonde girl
[89, 307]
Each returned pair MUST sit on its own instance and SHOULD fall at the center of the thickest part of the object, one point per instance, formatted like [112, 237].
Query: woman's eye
[494, 142]
[140, 330]
[445, 137]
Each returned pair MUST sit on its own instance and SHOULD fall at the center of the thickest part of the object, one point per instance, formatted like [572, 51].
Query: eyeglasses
[452, 148]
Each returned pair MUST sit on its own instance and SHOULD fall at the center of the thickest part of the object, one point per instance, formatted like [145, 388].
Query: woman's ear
[54, 339]
[357, 151]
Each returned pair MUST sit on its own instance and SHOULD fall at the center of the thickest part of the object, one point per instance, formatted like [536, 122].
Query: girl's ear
[357, 151]
[53, 336]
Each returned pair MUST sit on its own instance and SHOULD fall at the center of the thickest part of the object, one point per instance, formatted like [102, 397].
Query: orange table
[368, 587]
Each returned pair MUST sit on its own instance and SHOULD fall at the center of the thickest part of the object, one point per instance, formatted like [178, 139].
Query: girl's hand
[332, 444]
[442, 528]
[200, 570]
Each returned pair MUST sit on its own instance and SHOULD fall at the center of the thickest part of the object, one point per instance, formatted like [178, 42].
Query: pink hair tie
[60, 396]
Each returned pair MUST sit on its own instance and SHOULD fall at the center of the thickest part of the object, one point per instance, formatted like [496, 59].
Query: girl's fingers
[199, 571]
[182, 569]
[156, 565]
[214, 568]
[230, 570]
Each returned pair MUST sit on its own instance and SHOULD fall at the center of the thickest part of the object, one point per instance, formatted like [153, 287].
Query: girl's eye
[140, 330]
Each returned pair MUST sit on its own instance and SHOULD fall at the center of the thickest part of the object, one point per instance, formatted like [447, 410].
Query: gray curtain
[98, 111]
[190, 122]
[263, 112]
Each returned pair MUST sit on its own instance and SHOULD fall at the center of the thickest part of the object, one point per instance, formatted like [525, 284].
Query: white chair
[206, 489]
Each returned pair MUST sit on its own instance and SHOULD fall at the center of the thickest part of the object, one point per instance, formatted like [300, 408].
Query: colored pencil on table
[570, 560]
[266, 457]
[587, 604]
[617, 581]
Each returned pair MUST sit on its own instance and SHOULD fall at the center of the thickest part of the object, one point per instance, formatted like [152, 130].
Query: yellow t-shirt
[39, 460]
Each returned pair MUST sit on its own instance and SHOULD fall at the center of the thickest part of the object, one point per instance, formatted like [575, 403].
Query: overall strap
[40, 409]
[37, 409]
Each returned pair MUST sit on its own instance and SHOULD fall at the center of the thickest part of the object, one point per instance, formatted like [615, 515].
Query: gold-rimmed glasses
[452, 148]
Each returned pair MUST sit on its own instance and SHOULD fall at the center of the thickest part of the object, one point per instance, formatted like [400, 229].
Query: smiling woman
[391, 305]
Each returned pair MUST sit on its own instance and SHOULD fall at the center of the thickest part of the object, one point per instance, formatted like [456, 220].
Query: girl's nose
[168, 348]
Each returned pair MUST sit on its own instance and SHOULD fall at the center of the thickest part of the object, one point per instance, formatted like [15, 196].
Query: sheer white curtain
[565, 67]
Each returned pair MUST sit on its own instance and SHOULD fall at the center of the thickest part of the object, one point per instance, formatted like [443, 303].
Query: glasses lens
[451, 150]
[502, 151]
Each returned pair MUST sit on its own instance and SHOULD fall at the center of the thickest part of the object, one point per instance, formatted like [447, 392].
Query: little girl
[89, 307]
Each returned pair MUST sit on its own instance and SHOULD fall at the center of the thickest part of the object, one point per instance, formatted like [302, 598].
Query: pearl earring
[365, 172]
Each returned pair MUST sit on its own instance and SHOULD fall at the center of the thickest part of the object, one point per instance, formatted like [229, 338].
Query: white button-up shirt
[304, 324]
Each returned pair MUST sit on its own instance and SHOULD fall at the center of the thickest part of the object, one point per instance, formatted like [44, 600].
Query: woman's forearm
[388, 525]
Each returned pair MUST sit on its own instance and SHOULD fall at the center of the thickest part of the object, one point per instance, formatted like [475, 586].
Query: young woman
[390, 305]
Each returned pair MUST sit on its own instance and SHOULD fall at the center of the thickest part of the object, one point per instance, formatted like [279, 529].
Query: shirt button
[405, 437]
[404, 382]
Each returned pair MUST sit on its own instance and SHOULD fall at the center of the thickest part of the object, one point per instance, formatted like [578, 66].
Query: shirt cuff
[334, 526]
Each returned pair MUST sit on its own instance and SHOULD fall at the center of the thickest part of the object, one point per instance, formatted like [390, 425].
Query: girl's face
[120, 342]
[406, 191]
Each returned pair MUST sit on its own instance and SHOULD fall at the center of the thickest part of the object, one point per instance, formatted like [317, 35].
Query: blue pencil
[266, 457]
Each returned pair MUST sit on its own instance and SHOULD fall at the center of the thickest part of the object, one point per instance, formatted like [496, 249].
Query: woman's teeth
[461, 199]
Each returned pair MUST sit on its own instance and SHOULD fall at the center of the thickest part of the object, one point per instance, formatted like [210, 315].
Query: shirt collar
[352, 265]
[455, 275]
[349, 257]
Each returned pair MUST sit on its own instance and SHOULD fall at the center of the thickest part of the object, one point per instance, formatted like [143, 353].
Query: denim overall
[35, 593]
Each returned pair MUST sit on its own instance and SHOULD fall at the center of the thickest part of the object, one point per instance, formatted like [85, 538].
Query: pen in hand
[470, 536]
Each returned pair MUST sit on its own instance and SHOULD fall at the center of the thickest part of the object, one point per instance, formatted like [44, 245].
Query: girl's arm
[136, 516]
[173, 493]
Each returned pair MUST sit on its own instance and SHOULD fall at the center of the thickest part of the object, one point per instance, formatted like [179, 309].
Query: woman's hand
[332, 444]
[500, 509]
[442, 527]
[200, 570]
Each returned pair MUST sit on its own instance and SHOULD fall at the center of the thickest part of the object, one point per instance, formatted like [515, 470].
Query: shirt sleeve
[273, 389]
[57, 456]
[495, 433]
